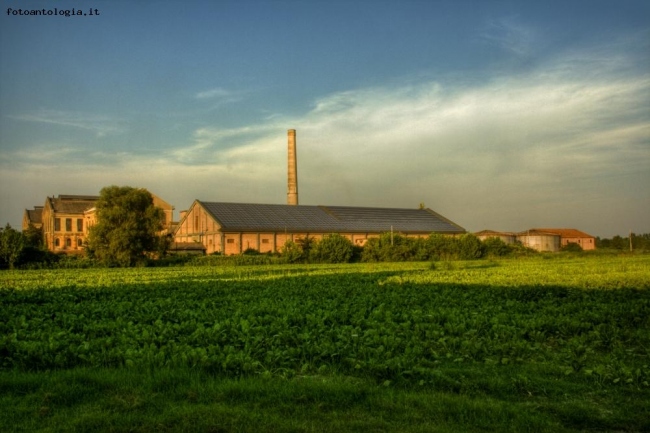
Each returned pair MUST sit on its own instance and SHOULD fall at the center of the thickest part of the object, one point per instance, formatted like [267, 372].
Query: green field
[551, 343]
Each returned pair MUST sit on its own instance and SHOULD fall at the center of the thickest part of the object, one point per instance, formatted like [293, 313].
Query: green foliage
[572, 247]
[12, 243]
[387, 323]
[33, 237]
[293, 252]
[640, 242]
[469, 247]
[491, 345]
[333, 248]
[389, 248]
[495, 247]
[441, 247]
[128, 226]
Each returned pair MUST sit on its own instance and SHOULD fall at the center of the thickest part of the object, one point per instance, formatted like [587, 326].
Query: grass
[183, 400]
[585, 370]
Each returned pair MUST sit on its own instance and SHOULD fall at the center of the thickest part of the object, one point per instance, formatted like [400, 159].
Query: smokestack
[292, 191]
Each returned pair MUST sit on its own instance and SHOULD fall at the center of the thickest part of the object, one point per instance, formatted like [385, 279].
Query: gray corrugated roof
[35, 215]
[276, 217]
[72, 203]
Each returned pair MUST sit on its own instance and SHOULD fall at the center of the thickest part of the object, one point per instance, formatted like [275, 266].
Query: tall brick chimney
[292, 191]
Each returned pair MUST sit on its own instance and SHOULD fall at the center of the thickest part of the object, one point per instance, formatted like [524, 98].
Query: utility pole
[630, 240]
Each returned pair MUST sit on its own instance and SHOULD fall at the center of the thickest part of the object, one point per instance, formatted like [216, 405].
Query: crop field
[552, 343]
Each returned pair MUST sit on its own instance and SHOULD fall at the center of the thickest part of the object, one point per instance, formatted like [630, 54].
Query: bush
[332, 248]
[470, 247]
[572, 247]
[293, 253]
[495, 247]
[389, 248]
[441, 247]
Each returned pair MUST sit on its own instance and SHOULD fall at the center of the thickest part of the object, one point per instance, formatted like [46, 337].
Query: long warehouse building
[231, 228]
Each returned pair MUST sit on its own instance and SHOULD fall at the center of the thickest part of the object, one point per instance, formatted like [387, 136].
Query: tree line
[639, 242]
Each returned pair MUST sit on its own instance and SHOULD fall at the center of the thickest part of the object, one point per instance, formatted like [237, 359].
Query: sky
[501, 115]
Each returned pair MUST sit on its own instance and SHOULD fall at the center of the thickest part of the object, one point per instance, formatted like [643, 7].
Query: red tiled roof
[493, 233]
[566, 233]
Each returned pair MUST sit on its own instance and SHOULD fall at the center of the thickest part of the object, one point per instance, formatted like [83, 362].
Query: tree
[128, 226]
[33, 236]
[12, 243]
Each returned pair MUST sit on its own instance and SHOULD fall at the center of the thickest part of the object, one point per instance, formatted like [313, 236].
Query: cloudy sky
[503, 115]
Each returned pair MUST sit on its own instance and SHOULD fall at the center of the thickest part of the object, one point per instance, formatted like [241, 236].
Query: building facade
[567, 236]
[66, 220]
[232, 228]
[543, 239]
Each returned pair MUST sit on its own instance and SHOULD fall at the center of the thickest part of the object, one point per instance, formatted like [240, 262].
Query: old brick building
[66, 220]
[231, 228]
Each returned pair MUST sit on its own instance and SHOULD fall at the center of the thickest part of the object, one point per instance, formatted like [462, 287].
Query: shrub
[332, 248]
[572, 247]
[292, 252]
[389, 248]
[495, 247]
[441, 247]
[470, 247]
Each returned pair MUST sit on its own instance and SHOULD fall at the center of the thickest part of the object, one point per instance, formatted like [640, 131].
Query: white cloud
[510, 35]
[545, 148]
[216, 92]
[99, 124]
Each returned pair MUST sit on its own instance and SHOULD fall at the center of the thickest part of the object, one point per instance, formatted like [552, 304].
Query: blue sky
[501, 115]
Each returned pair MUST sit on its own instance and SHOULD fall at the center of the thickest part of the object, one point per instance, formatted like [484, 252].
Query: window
[80, 243]
[57, 225]
[80, 225]
[68, 242]
[230, 241]
[57, 242]
[196, 223]
[265, 241]
[68, 224]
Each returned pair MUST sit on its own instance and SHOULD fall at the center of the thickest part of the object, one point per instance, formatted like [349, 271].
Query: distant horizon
[499, 116]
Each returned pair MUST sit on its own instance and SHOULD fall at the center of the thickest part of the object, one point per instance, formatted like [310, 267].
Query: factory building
[231, 228]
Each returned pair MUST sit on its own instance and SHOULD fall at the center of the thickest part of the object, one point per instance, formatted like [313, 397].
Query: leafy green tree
[128, 226]
[33, 237]
[333, 248]
[12, 243]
